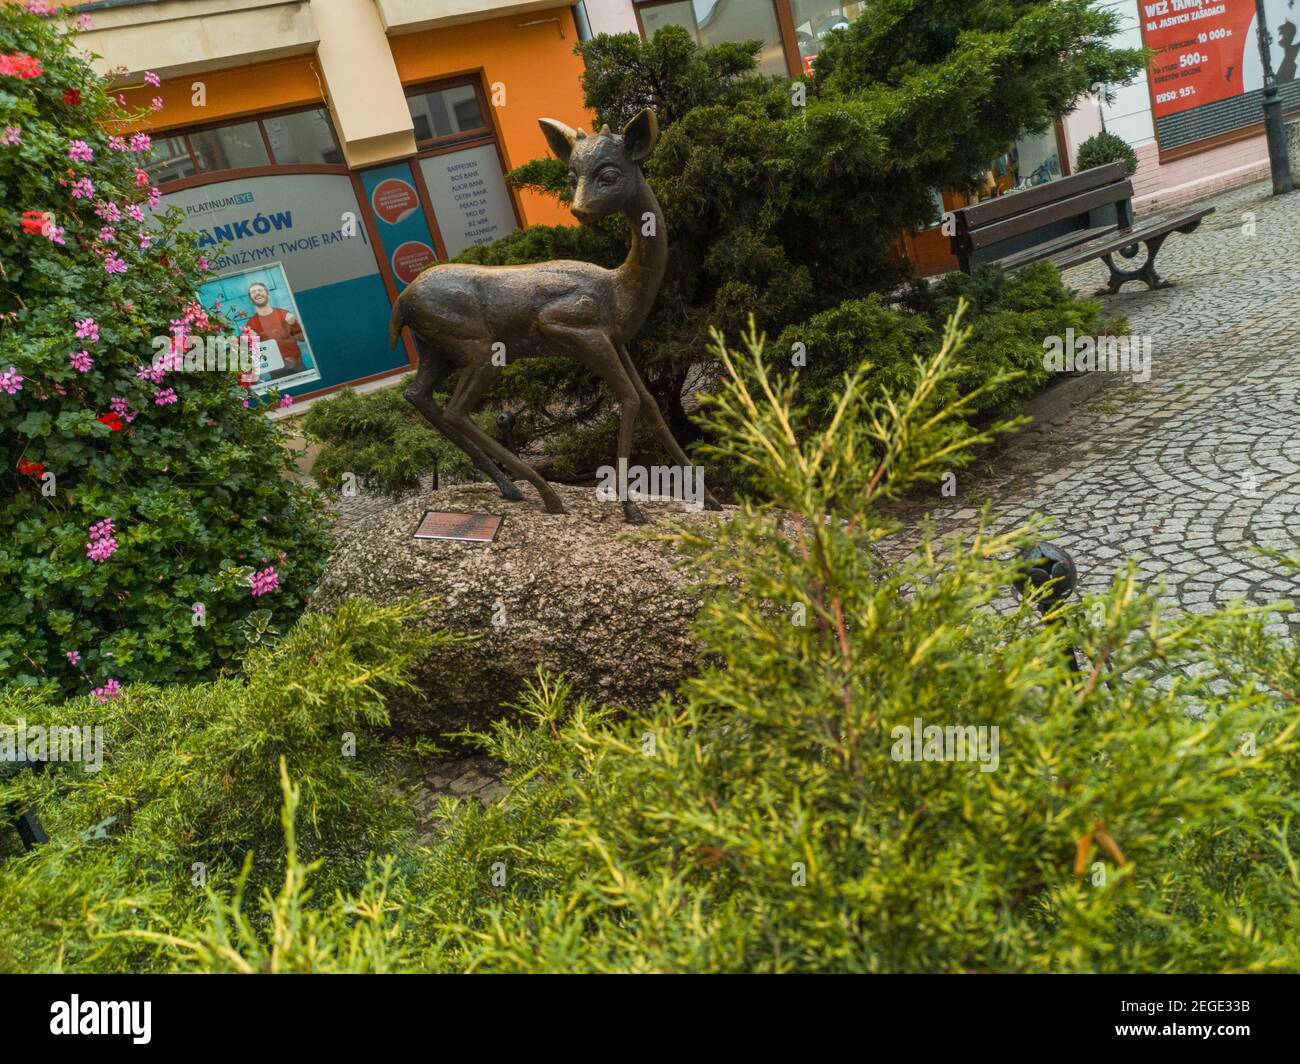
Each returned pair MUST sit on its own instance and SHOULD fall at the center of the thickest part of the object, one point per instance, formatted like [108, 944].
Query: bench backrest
[1015, 221]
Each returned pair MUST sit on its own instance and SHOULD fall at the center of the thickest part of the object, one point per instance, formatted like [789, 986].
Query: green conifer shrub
[380, 440]
[189, 791]
[1105, 147]
[1137, 815]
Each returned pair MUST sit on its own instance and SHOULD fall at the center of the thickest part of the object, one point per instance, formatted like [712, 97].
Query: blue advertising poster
[302, 236]
[261, 299]
[403, 230]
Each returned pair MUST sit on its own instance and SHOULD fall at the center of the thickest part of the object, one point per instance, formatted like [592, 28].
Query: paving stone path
[1190, 471]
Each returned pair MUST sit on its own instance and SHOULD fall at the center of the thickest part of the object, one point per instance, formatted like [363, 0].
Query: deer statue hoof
[632, 515]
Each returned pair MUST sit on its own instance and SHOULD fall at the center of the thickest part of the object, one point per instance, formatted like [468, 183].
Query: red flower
[72, 97]
[34, 222]
[113, 421]
[23, 67]
[31, 469]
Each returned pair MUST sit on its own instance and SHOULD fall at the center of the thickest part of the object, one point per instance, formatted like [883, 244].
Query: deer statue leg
[655, 419]
[594, 349]
[432, 372]
[473, 385]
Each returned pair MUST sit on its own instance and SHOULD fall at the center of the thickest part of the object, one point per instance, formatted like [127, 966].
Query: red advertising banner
[1208, 50]
[1201, 47]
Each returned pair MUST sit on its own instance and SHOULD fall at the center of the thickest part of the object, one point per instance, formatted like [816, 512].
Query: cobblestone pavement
[1190, 471]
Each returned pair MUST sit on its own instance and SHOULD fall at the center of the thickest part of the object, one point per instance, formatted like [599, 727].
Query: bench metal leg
[1145, 273]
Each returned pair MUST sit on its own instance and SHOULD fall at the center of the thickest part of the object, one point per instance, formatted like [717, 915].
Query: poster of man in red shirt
[262, 300]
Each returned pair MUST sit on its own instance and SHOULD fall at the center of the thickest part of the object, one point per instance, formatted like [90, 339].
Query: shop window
[237, 147]
[442, 113]
[713, 22]
[169, 160]
[303, 138]
[814, 19]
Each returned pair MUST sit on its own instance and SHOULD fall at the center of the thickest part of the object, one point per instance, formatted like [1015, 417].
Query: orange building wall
[538, 68]
[541, 74]
[231, 93]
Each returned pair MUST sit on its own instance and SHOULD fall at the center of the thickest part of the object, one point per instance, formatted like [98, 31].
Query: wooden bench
[1070, 221]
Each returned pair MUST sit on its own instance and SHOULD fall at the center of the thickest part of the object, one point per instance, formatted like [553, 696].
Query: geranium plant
[139, 495]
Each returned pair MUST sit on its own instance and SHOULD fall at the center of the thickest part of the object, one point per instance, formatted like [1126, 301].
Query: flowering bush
[136, 500]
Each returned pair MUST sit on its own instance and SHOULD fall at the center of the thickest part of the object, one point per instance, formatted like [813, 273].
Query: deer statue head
[605, 168]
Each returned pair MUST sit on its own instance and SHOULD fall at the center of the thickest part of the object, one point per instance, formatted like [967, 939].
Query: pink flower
[108, 691]
[81, 361]
[146, 239]
[108, 211]
[80, 152]
[11, 382]
[116, 143]
[165, 397]
[155, 197]
[99, 550]
[88, 329]
[156, 104]
[103, 528]
[286, 400]
[135, 213]
[121, 408]
[74, 657]
[113, 264]
[203, 262]
[264, 580]
[43, 8]
[141, 178]
[12, 135]
[141, 142]
[108, 234]
[55, 234]
[84, 22]
[82, 188]
[152, 79]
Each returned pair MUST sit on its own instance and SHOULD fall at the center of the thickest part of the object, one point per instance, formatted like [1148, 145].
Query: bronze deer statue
[475, 318]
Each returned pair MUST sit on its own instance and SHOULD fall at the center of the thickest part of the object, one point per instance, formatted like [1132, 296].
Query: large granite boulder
[580, 593]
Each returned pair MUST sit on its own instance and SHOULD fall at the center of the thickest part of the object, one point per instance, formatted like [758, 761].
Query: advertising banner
[1208, 58]
[301, 236]
[469, 197]
[403, 231]
[261, 299]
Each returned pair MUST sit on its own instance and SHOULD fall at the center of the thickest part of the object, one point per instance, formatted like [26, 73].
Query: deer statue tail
[395, 323]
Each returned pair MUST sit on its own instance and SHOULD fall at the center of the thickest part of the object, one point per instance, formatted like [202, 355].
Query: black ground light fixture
[1046, 564]
[29, 828]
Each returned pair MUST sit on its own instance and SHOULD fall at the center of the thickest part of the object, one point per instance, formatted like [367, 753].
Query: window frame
[784, 28]
[203, 177]
[462, 137]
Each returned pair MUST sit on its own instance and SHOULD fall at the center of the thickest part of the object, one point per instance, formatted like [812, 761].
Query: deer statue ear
[560, 137]
[640, 134]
